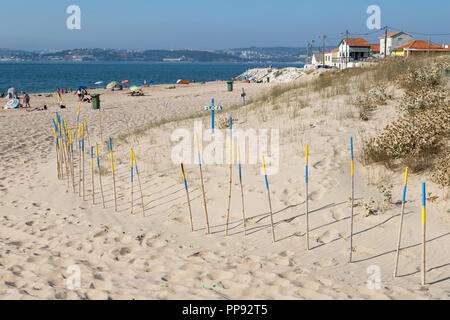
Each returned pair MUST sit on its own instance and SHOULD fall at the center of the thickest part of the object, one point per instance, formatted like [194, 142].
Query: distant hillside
[254, 54]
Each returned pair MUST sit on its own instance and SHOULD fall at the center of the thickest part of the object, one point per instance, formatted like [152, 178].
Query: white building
[394, 39]
[350, 53]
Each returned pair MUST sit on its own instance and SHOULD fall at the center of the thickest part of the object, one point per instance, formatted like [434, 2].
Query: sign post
[213, 108]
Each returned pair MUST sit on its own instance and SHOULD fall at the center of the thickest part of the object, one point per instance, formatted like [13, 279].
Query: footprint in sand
[328, 236]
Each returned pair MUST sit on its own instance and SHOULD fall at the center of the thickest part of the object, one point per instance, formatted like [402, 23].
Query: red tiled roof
[390, 34]
[423, 45]
[334, 50]
[375, 47]
[358, 42]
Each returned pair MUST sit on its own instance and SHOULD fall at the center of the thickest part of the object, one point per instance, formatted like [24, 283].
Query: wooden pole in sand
[424, 229]
[203, 186]
[72, 169]
[397, 254]
[92, 174]
[307, 198]
[100, 122]
[57, 154]
[82, 161]
[270, 202]
[99, 174]
[66, 154]
[113, 175]
[242, 189]
[131, 179]
[352, 199]
[187, 195]
[79, 161]
[231, 175]
[87, 132]
[139, 183]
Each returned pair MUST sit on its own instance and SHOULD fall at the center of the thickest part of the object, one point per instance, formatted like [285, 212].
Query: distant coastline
[37, 77]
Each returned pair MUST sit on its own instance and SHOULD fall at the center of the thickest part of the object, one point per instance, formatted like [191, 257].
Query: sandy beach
[45, 228]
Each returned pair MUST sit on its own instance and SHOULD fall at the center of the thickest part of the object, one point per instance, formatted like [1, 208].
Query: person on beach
[12, 93]
[80, 95]
[26, 100]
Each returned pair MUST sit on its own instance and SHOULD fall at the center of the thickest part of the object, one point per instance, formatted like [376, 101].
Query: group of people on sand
[12, 93]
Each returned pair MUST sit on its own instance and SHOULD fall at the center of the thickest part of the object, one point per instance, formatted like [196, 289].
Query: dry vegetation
[419, 138]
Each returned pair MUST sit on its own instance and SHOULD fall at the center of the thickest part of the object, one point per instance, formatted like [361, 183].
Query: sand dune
[45, 228]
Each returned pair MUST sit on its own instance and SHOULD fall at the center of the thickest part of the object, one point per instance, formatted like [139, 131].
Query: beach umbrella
[135, 88]
[82, 87]
[125, 81]
[112, 85]
[12, 104]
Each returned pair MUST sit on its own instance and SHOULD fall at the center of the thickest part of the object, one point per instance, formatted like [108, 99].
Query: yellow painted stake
[82, 153]
[352, 199]
[113, 174]
[270, 202]
[424, 230]
[306, 191]
[131, 178]
[203, 186]
[92, 174]
[99, 174]
[231, 175]
[139, 183]
[187, 195]
[397, 254]
[242, 190]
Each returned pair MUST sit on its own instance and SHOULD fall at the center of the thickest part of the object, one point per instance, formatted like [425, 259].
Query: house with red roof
[352, 50]
[393, 40]
[420, 47]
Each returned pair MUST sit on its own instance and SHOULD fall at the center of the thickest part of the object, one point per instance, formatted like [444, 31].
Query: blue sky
[208, 24]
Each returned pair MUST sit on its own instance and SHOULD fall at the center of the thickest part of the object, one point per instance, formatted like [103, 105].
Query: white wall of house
[394, 41]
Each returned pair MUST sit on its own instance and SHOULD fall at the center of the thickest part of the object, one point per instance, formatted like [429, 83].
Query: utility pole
[385, 41]
[307, 53]
[347, 48]
[323, 51]
[311, 49]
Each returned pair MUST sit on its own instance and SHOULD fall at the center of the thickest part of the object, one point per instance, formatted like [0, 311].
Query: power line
[421, 34]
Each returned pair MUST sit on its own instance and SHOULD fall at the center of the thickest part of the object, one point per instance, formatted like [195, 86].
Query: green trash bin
[95, 101]
[230, 85]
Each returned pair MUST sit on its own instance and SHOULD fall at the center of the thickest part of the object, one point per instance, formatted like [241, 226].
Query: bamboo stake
[307, 198]
[352, 199]
[100, 122]
[424, 229]
[203, 186]
[57, 155]
[92, 174]
[99, 174]
[242, 190]
[397, 254]
[268, 195]
[72, 169]
[187, 195]
[131, 178]
[79, 161]
[139, 183]
[82, 161]
[87, 132]
[231, 175]
[113, 175]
